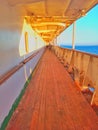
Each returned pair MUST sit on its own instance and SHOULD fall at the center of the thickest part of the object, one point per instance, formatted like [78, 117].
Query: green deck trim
[18, 99]
[15, 104]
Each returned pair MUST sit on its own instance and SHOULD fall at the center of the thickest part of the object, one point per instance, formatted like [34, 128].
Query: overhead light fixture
[83, 12]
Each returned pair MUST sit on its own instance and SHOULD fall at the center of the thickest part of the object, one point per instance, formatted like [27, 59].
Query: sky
[86, 30]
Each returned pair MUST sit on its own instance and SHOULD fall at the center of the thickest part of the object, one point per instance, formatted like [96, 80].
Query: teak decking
[52, 101]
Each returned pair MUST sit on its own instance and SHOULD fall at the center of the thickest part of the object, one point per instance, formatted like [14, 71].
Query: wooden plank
[53, 102]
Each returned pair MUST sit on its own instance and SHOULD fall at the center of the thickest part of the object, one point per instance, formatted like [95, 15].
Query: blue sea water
[92, 49]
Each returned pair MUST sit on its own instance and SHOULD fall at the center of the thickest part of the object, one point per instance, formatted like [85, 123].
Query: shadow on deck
[52, 101]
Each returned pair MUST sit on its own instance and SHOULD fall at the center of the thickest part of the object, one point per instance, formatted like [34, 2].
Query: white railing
[83, 67]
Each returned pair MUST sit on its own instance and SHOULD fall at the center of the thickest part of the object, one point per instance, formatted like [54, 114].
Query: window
[26, 42]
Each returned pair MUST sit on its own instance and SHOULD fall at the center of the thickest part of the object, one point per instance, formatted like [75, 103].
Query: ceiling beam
[49, 24]
[45, 31]
[67, 6]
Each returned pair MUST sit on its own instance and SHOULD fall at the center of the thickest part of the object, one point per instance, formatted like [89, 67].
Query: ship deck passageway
[52, 101]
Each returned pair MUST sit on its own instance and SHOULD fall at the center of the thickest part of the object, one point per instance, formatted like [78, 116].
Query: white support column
[35, 39]
[73, 36]
[56, 41]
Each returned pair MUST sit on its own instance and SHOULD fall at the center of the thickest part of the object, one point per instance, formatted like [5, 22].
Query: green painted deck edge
[18, 99]
[15, 104]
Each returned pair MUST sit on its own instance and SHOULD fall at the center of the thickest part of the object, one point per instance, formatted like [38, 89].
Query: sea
[92, 49]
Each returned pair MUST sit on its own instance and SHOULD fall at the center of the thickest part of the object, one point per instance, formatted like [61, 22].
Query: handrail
[87, 53]
[30, 57]
[8, 74]
[83, 68]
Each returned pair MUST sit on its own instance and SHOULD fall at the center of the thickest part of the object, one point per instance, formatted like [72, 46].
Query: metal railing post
[73, 36]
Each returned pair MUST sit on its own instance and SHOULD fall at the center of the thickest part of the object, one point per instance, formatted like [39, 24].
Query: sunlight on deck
[52, 101]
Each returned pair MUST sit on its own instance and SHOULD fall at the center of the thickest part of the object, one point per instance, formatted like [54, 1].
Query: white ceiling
[50, 17]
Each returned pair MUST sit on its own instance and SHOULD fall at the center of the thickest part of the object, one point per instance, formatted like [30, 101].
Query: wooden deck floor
[53, 102]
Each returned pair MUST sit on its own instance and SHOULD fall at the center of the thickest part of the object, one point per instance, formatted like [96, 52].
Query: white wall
[12, 87]
[12, 51]
[12, 30]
